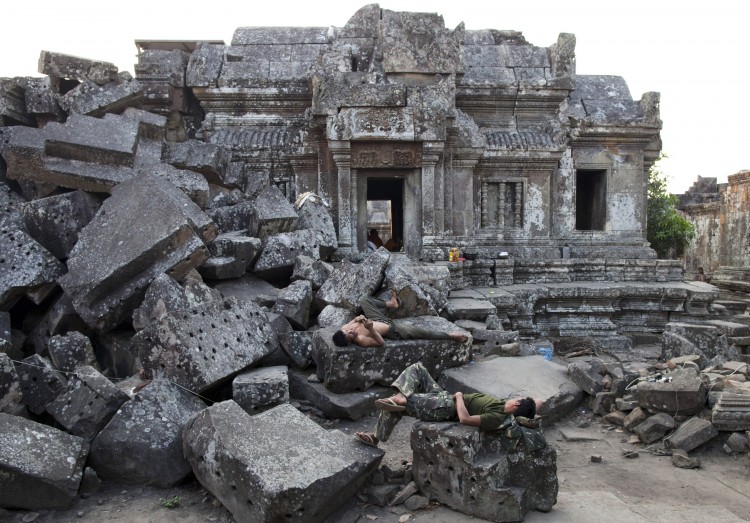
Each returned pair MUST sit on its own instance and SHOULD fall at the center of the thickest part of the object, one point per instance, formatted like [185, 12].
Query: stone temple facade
[476, 138]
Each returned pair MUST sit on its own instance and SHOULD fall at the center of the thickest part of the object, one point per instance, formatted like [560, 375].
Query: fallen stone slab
[193, 184]
[731, 412]
[65, 66]
[588, 375]
[352, 368]
[480, 473]
[249, 287]
[654, 427]
[278, 465]
[71, 351]
[92, 99]
[207, 345]
[314, 271]
[684, 394]
[212, 161]
[142, 443]
[707, 341]
[420, 295]
[88, 404]
[204, 65]
[272, 214]
[524, 376]
[12, 104]
[347, 405]
[115, 259]
[691, 434]
[294, 303]
[232, 254]
[26, 268]
[350, 282]
[314, 215]
[298, 346]
[43, 475]
[468, 309]
[276, 261]
[41, 384]
[332, 316]
[258, 390]
[55, 221]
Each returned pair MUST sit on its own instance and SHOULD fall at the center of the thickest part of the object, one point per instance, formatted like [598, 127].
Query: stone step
[468, 309]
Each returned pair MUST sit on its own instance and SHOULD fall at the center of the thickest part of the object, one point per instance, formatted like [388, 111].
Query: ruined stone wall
[721, 216]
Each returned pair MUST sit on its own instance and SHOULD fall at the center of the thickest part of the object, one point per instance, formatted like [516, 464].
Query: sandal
[367, 438]
[389, 405]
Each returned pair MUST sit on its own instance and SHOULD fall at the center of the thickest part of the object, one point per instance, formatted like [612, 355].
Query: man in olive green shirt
[420, 396]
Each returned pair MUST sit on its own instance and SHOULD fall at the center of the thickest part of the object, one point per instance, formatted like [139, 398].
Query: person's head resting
[373, 232]
[340, 338]
[525, 407]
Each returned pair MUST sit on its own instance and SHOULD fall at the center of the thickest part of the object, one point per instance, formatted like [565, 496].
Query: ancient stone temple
[469, 138]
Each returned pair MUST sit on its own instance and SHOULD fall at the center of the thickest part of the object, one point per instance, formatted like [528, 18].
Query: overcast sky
[693, 53]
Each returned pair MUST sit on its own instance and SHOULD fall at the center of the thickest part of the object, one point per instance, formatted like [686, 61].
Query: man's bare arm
[463, 415]
[374, 333]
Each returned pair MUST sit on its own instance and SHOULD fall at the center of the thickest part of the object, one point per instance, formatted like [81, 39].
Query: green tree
[668, 232]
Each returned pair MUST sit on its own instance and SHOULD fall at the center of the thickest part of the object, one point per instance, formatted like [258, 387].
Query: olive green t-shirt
[491, 411]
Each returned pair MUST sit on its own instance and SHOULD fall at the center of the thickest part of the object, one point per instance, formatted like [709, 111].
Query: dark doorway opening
[385, 209]
[591, 199]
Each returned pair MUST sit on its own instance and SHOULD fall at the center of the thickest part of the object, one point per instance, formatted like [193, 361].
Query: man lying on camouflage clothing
[421, 397]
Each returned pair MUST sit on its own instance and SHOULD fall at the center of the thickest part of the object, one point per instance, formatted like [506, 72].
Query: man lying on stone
[421, 397]
[369, 329]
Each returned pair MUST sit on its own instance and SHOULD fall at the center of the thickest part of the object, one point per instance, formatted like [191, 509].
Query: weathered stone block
[59, 65]
[272, 214]
[654, 427]
[731, 411]
[422, 289]
[350, 368]
[314, 271]
[92, 99]
[685, 394]
[634, 417]
[293, 471]
[691, 434]
[332, 316]
[206, 345]
[588, 376]
[44, 475]
[475, 472]
[71, 351]
[315, 216]
[55, 221]
[231, 255]
[25, 266]
[602, 402]
[88, 404]
[294, 304]
[298, 346]
[115, 260]
[41, 384]
[350, 282]
[707, 341]
[528, 376]
[212, 161]
[12, 104]
[281, 250]
[142, 443]
[204, 65]
[348, 405]
[260, 389]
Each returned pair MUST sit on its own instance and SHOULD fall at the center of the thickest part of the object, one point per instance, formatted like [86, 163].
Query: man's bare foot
[396, 403]
[458, 336]
[393, 302]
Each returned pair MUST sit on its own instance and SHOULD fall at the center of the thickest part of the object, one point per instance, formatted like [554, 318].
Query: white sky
[693, 53]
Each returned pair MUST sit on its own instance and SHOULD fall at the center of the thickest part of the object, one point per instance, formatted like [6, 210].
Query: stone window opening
[502, 203]
[591, 199]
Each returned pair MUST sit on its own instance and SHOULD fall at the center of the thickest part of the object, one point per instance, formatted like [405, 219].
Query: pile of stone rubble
[674, 407]
[131, 298]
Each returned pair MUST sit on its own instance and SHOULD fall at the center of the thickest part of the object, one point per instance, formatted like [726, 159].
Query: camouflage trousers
[374, 309]
[425, 401]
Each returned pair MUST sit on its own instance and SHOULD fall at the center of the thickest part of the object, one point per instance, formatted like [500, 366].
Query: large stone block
[707, 341]
[731, 412]
[684, 394]
[41, 384]
[347, 405]
[11, 397]
[422, 289]
[206, 345]
[260, 389]
[71, 351]
[281, 250]
[298, 346]
[525, 376]
[350, 282]
[212, 161]
[88, 404]
[92, 99]
[25, 266]
[142, 443]
[272, 214]
[276, 466]
[204, 65]
[480, 473]
[59, 65]
[116, 258]
[294, 304]
[55, 221]
[231, 255]
[42, 475]
[691, 434]
[314, 271]
[351, 368]
[315, 216]
[654, 427]
[12, 104]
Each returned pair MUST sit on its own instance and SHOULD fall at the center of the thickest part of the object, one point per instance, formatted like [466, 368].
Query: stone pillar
[485, 210]
[430, 155]
[501, 205]
[519, 204]
[462, 180]
[341, 151]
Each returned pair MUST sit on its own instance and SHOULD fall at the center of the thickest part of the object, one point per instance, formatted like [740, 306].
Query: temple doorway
[385, 210]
